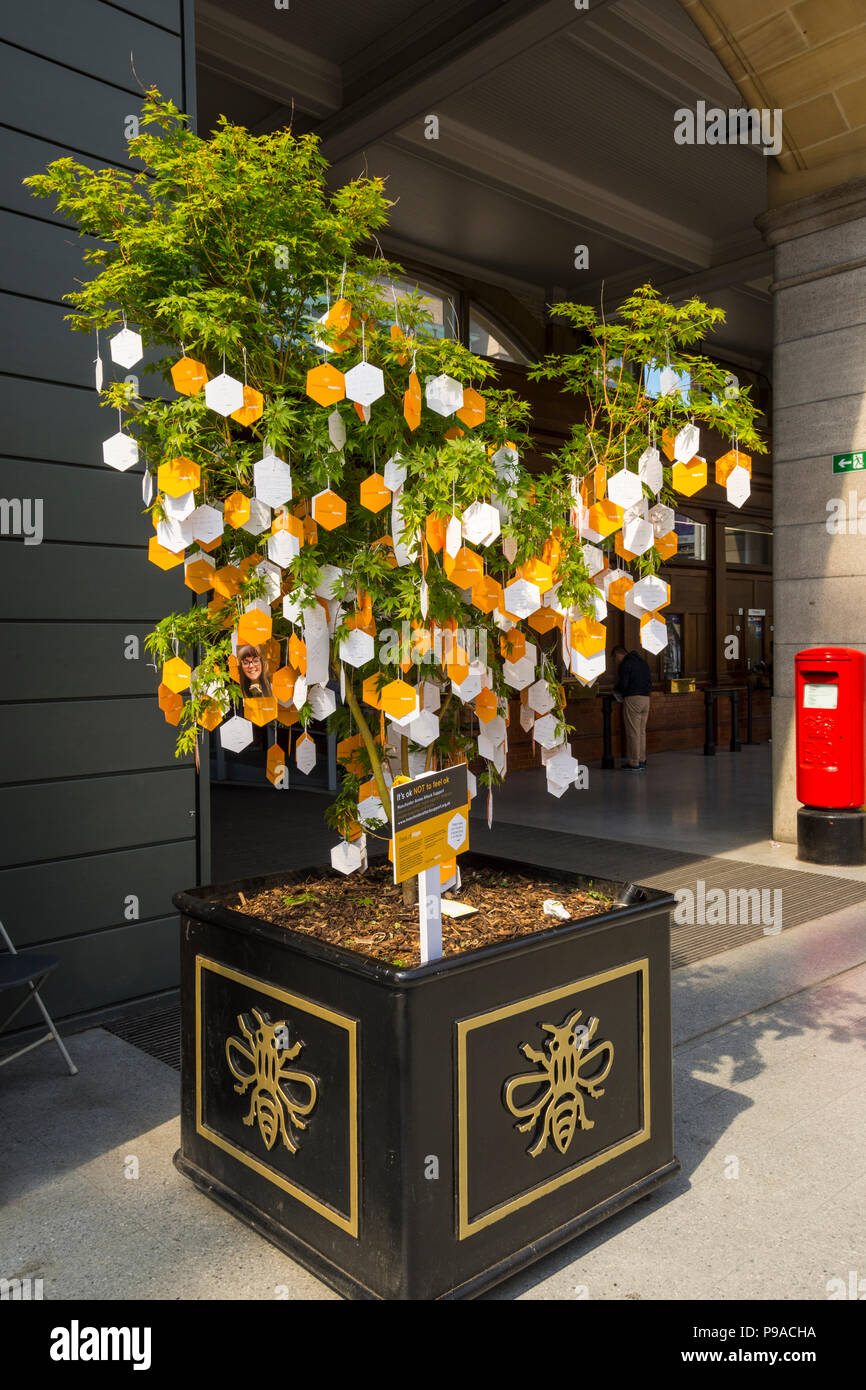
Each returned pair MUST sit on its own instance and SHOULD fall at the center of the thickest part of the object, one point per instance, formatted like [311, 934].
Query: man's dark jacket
[634, 676]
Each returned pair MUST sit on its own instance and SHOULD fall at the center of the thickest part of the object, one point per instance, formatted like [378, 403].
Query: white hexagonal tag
[205, 524]
[365, 383]
[650, 469]
[540, 697]
[371, 809]
[522, 598]
[178, 508]
[600, 605]
[424, 728]
[637, 535]
[527, 718]
[467, 689]
[299, 694]
[518, 674]
[687, 443]
[480, 524]
[430, 696]
[654, 636]
[738, 486]
[588, 668]
[456, 830]
[555, 788]
[328, 576]
[173, 535]
[126, 348]
[322, 701]
[273, 578]
[224, 394]
[624, 488]
[668, 381]
[562, 767]
[305, 753]
[272, 479]
[283, 547]
[259, 518]
[236, 733]
[394, 473]
[358, 648]
[444, 395]
[593, 558]
[120, 451]
[506, 461]
[336, 429]
[347, 857]
[662, 519]
[545, 732]
[649, 593]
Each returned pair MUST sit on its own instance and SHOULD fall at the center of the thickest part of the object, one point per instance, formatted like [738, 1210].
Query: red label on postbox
[830, 699]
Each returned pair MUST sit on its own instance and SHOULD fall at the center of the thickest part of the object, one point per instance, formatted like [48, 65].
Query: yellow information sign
[430, 819]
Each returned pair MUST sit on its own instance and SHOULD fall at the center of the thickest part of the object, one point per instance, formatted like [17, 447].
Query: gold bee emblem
[268, 1053]
[560, 1106]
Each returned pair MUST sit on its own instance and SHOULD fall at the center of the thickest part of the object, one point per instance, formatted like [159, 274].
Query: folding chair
[29, 969]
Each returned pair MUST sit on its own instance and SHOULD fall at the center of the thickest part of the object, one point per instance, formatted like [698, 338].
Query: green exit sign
[849, 463]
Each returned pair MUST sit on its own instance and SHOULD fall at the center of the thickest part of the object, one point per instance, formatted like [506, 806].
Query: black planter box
[366, 1120]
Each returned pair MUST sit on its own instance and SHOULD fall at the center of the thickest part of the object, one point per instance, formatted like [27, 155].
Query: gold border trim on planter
[465, 1225]
[346, 1223]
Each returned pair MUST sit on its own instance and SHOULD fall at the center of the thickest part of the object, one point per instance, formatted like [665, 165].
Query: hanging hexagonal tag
[728, 462]
[395, 472]
[173, 535]
[283, 547]
[444, 394]
[259, 518]
[322, 701]
[473, 411]
[667, 545]
[738, 486]
[283, 684]
[588, 668]
[179, 508]
[480, 524]
[540, 698]
[329, 509]
[651, 592]
[668, 381]
[346, 857]
[398, 699]
[518, 674]
[326, 385]
[653, 633]
[687, 443]
[624, 488]
[236, 734]
[689, 478]
[365, 383]
[176, 674]
[236, 509]
[424, 728]
[305, 754]
[336, 430]
[255, 627]
[189, 376]
[272, 479]
[357, 649]
[252, 408]
[120, 451]
[522, 598]
[487, 593]
[374, 493]
[649, 469]
[164, 559]
[661, 519]
[261, 710]
[199, 573]
[301, 691]
[224, 394]
[637, 535]
[545, 732]
[277, 772]
[505, 460]
[126, 348]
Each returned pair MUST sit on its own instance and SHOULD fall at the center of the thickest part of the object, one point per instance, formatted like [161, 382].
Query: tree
[409, 518]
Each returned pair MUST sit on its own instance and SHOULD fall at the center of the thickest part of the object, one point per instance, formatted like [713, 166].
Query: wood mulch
[366, 913]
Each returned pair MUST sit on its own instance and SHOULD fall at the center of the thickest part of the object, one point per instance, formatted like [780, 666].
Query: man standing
[633, 685]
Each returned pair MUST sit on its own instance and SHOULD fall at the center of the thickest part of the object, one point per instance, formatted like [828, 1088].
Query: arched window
[487, 339]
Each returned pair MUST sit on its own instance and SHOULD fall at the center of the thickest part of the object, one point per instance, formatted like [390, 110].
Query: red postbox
[830, 693]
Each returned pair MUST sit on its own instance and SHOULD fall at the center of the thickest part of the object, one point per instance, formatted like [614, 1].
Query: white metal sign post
[430, 913]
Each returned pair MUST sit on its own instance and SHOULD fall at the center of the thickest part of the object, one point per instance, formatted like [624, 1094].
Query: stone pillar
[819, 390]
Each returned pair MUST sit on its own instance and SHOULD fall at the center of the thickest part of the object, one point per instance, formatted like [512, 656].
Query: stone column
[819, 371]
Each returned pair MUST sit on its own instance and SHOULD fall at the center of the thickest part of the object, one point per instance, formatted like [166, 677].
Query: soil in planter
[366, 912]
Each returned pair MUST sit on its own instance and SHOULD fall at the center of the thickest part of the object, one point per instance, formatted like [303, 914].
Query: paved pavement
[770, 1075]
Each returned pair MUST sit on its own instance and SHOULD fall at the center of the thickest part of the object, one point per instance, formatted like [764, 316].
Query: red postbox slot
[830, 697]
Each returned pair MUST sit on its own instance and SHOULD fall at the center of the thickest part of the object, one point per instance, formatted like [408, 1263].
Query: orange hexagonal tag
[198, 576]
[667, 545]
[617, 591]
[487, 593]
[435, 532]
[298, 653]
[588, 636]
[237, 509]
[397, 699]
[348, 750]
[397, 338]
[276, 764]
[158, 555]
[474, 408]
[251, 410]
[189, 376]
[543, 619]
[374, 494]
[283, 684]
[605, 517]
[210, 716]
[172, 707]
[176, 674]
[689, 478]
[326, 385]
[260, 711]
[227, 580]
[223, 610]
[486, 705]
[728, 462]
[370, 690]
[288, 715]
[619, 547]
[255, 627]
[465, 568]
[177, 476]
[513, 644]
[538, 573]
[329, 509]
[669, 439]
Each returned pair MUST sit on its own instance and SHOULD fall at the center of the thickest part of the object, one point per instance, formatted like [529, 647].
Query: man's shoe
[642, 765]
[631, 767]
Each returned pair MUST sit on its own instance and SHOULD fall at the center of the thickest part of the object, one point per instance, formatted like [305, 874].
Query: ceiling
[555, 130]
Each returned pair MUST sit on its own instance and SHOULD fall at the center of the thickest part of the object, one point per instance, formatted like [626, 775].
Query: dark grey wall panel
[64, 32]
[53, 820]
[81, 504]
[78, 738]
[164, 12]
[83, 657]
[77, 581]
[108, 967]
[93, 113]
[38, 342]
[23, 155]
[38, 258]
[46, 902]
[39, 420]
